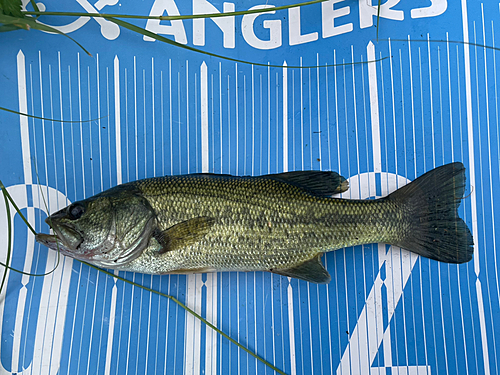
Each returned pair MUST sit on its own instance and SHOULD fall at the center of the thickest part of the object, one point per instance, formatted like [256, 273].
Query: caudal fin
[432, 200]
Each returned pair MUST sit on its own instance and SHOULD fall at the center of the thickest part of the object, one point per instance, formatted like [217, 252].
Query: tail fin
[432, 200]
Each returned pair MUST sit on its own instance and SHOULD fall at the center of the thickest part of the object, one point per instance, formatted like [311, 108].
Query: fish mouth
[65, 238]
[52, 242]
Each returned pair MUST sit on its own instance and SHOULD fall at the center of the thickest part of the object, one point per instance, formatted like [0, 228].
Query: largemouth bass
[280, 223]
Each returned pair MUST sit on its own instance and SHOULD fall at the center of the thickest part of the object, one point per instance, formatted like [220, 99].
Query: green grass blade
[48, 119]
[378, 16]
[11, 7]
[42, 27]
[196, 315]
[47, 210]
[5, 28]
[6, 265]
[13, 21]
[116, 18]
[35, 6]
[9, 197]
[172, 18]
[27, 273]
[6, 194]
[29, 23]
[160, 38]
[9, 240]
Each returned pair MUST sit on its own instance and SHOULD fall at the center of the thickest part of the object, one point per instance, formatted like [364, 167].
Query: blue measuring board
[310, 87]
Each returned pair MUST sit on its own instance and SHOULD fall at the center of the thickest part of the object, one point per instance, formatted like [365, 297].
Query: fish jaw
[53, 242]
[65, 239]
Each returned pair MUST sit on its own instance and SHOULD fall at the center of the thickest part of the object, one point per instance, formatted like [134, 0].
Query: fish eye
[75, 211]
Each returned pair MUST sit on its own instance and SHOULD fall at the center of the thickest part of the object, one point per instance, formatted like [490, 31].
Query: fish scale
[263, 223]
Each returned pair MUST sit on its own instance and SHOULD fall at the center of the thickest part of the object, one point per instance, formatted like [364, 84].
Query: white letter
[294, 29]
[436, 8]
[176, 27]
[329, 15]
[367, 11]
[274, 27]
[226, 24]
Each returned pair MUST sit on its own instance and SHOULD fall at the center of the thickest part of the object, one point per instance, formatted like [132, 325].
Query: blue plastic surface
[423, 99]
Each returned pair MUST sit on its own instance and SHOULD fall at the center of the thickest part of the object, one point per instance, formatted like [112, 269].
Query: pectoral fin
[183, 234]
[311, 270]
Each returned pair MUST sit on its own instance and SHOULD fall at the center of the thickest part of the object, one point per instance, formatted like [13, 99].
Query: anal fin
[311, 270]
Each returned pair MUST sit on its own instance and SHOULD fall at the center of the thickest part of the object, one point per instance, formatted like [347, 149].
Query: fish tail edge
[431, 202]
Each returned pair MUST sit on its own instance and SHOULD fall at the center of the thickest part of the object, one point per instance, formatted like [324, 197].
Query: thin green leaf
[47, 210]
[35, 6]
[27, 273]
[378, 16]
[10, 20]
[6, 194]
[172, 18]
[38, 26]
[18, 23]
[115, 19]
[48, 119]
[192, 312]
[5, 28]
[9, 197]
[160, 38]
[12, 8]
[9, 240]
[28, 23]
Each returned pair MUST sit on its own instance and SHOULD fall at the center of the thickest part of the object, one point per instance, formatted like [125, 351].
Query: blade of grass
[115, 19]
[9, 240]
[35, 6]
[18, 22]
[172, 18]
[27, 273]
[5, 28]
[9, 197]
[160, 38]
[46, 209]
[11, 7]
[48, 119]
[6, 194]
[378, 16]
[27, 23]
[192, 312]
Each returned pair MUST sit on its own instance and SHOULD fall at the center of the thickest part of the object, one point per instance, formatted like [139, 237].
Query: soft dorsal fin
[311, 270]
[317, 182]
[183, 234]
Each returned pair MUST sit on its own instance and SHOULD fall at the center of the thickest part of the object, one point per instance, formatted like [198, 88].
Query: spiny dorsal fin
[311, 270]
[317, 182]
[183, 234]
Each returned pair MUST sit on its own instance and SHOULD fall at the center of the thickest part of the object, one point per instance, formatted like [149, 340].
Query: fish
[281, 223]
